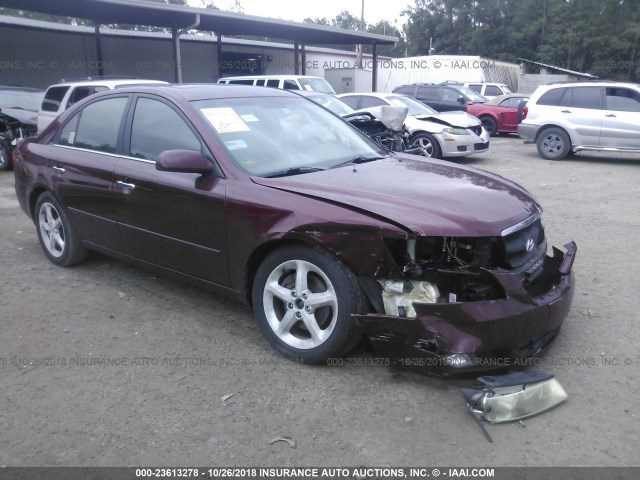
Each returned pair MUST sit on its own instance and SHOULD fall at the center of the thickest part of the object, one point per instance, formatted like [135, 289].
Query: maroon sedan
[265, 196]
[500, 114]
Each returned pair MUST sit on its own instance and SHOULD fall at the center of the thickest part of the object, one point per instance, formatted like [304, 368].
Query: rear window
[99, 125]
[53, 98]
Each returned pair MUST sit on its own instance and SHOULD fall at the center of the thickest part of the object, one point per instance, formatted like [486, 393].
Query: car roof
[374, 94]
[111, 82]
[598, 83]
[205, 91]
[268, 77]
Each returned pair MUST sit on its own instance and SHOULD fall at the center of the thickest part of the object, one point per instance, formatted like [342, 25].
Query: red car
[500, 114]
[265, 196]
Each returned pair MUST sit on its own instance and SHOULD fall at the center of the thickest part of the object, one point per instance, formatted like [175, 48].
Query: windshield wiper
[293, 171]
[361, 159]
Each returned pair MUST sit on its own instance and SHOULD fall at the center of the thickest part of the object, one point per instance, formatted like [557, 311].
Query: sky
[298, 10]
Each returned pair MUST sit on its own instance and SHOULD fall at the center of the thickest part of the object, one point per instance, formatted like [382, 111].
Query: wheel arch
[33, 199]
[547, 126]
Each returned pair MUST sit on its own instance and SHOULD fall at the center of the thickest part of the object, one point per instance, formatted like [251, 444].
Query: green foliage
[601, 37]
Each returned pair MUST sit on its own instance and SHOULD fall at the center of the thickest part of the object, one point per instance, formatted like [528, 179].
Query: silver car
[564, 118]
[445, 134]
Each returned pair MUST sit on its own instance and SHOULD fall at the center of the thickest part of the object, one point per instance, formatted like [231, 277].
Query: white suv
[61, 96]
[569, 117]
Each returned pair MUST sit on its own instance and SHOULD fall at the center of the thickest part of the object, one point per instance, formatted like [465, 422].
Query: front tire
[57, 237]
[303, 299]
[553, 144]
[427, 144]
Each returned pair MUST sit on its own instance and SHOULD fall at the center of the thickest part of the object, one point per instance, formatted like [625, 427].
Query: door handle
[122, 184]
[611, 115]
[565, 111]
[58, 169]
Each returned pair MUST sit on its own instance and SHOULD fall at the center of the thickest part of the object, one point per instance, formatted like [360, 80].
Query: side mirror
[461, 100]
[183, 161]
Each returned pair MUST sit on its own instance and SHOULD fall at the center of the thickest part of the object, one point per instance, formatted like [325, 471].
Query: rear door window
[99, 125]
[585, 97]
[428, 94]
[273, 83]
[368, 102]
[491, 91]
[405, 90]
[552, 97]
[53, 98]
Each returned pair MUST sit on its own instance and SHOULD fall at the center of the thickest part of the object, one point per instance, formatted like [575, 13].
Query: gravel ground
[193, 382]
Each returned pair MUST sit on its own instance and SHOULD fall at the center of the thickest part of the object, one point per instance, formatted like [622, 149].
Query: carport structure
[182, 19]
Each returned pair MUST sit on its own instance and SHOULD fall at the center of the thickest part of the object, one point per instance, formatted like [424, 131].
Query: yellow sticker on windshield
[225, 120]
[249, 117]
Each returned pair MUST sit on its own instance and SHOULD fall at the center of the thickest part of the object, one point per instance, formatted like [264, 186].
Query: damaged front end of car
[15, 126]
[470, 303]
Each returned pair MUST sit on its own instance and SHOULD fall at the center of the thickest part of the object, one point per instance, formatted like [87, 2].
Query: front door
[173, 220]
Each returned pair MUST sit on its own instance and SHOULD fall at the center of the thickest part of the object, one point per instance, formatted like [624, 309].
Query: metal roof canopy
[179, 19]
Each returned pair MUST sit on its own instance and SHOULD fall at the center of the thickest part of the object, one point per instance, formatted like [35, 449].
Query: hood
[25, 117]
[451, 119]
[427, 197]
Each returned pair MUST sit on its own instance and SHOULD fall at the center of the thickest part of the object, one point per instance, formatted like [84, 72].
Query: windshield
[415, 107]
[21, 99]
[266, 135]
[316, 85]
[331, 103]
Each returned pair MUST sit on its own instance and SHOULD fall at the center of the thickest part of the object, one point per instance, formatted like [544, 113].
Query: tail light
[525, 110]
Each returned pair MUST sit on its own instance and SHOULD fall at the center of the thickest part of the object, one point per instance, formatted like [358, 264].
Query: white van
[284, 82]
[489, 90]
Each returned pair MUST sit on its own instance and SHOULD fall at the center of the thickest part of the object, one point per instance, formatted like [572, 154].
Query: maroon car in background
[500, 114]
[265, 196]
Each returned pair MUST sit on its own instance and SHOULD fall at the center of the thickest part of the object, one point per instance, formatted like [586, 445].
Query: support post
[177, 67]
[296, 58]
[374, 72]
[304, 59]
[99, 50]
[219, 54]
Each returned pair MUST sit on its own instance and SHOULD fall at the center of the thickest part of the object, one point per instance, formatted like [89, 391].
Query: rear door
[581, 109]
[82, 160]
[173, 220]
[621, 121]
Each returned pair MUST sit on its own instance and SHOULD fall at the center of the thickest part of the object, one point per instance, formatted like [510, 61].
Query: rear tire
[553, 144]
[303, 300]
[490, 125]
[57, 237]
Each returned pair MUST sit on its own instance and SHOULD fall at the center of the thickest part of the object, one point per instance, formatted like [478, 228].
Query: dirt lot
[178, 353]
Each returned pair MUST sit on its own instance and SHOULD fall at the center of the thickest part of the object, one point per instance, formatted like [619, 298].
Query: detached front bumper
[448, 338]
